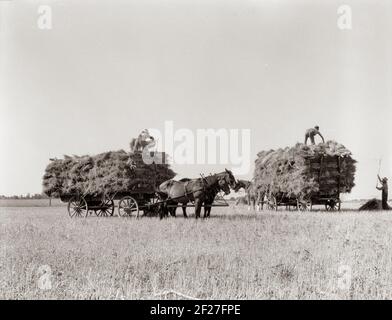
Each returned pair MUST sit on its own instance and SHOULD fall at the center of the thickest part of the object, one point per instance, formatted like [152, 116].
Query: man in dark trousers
[384, 194]
[311, 133]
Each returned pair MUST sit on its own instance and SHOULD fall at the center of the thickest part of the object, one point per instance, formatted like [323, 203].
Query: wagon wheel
[127, 207]
[106, 208]
[77, 207]
[304, 205]
[152, 207]
[272, 203]
[333, 205]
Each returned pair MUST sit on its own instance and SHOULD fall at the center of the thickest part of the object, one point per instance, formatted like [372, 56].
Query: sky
[108, 69]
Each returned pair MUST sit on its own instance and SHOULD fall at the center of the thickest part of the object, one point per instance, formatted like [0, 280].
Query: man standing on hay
[384, 192]
[144, 139]
[311, 133]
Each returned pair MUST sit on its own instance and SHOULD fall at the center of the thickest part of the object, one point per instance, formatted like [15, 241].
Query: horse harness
[206, 188]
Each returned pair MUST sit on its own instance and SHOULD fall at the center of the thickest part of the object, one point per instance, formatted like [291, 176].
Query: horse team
[201, 191]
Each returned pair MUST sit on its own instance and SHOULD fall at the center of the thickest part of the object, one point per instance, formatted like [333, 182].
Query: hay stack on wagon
[105, 173]
[304, 171]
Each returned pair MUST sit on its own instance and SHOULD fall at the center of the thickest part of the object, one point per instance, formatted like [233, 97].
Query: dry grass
[236, 255]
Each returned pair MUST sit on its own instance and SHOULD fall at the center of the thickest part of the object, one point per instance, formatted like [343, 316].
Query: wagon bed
[103, 205]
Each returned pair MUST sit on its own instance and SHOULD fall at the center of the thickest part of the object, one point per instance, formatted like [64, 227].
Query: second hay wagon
[328, 195]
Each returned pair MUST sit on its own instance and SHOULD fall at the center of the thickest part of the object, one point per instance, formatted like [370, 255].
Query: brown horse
[196, 190]
[209, 200]
[173, 204]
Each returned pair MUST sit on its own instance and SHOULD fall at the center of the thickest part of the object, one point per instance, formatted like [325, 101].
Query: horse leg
[205, 211]
[184, 210]
[161, 212]
[168, 211]
[173, 210]
[209, 210]
[198, 204]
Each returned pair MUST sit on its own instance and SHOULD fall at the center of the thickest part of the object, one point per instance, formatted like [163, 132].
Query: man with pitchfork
[384, 192]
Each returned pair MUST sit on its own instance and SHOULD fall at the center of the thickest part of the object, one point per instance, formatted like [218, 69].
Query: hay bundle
[303, 171]
[109, 172]
[372, 204]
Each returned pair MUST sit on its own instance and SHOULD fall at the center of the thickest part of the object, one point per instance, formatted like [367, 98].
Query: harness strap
[186, 192]
[205, 188]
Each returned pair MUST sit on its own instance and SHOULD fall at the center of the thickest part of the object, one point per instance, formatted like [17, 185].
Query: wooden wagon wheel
[128, 207]
[333, 205]
[106, 208]
[77, 207]
[272, 203]
[304, 205]
[152, 207]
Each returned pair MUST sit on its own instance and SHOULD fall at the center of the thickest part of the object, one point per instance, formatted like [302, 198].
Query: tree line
[26, 196]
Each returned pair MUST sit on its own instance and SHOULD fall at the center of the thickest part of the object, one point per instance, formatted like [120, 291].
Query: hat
[385, 179]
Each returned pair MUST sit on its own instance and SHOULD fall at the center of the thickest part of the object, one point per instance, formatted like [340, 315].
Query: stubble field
[236, 254]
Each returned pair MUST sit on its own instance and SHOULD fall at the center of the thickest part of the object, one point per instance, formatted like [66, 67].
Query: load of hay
[303, 171]
[109, 172]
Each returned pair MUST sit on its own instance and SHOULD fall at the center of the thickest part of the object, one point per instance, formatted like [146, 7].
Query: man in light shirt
[311, 133]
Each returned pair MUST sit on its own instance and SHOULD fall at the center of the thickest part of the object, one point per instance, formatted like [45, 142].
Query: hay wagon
[328, 194]
[104, 205]
[129, 204]
[111, 182]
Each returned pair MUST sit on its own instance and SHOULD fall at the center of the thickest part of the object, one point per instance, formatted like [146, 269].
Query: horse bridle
[218, 188]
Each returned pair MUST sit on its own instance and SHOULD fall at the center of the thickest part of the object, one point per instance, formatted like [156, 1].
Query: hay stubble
[235, 254]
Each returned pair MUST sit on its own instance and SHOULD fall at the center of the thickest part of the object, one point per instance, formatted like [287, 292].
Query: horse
[144, 139]
[253, 195]
[196, 190]
[209, 200]
[172, 210]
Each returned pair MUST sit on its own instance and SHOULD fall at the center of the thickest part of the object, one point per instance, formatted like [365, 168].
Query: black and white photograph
[195, 150]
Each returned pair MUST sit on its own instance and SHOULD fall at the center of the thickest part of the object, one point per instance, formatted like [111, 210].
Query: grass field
[235, 254]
